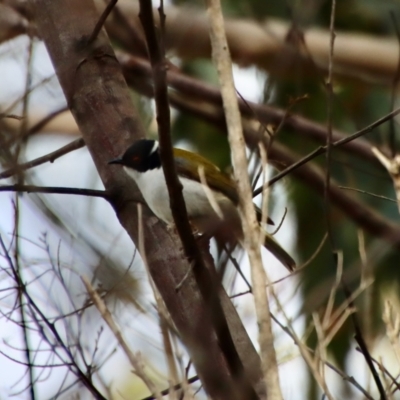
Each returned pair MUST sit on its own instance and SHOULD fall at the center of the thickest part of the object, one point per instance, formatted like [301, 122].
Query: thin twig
[329, 87]
[392, 322]
[11, 116]
[345, 377]
[221, 58]
[101, 21]
[55, 190]
[34, 128]
[18, 272]
[364, 349]
[42, 320]
[197, 90]
[207, 284]
[396, 78]
[322, 149]
[280, 223]
[175, 387]
[384, 370]
[134, 359]
[237, 267]
[51, 157]
[368, 193]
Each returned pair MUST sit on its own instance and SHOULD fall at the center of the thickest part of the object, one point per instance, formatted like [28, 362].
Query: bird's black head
[142, 156]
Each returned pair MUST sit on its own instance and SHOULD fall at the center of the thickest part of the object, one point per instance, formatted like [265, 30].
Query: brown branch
[51, 157]
[251, 229]
[37, 127]
[12, 23]
[359, 338]
[310, 174]
[198, 90]
[360, 57]
[55, 190]
[323, 149]
[101, 104]
[382, 368]
[361, 214]
[134, 358]
[101, 21]
[206, 282]
[329, 140]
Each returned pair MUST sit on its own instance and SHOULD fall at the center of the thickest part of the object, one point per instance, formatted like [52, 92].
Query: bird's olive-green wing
[187, 165]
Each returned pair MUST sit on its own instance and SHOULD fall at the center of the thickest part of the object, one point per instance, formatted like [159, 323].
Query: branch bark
[99, 99]
[359, 57]
[251, 229]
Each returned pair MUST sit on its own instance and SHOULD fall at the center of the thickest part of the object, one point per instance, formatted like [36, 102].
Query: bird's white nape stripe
[155, 147]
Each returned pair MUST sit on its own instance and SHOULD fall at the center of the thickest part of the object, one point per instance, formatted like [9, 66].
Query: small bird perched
[210, 195]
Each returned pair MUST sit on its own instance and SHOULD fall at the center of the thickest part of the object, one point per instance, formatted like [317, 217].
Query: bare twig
[34, 128]
[55, 190]
[306, 353]
[384, 370]
[329, 128]
[378, 196]
[134, 359]
[207, 284]
[195, 89]
[392, 165]
[175, 387]
[364, 349]
[345, 377]
[41, 321]
[101, 21]
[11, 116]
[51, 157]
[396, 78]
[311, 175]
[275, 231]
[322, 149]
[208, 192]
[251, 229]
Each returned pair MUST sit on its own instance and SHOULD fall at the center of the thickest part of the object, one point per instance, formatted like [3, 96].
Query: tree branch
[207, 284]
[195, 90]
[51, 157]
[55, 190]
[101, 103]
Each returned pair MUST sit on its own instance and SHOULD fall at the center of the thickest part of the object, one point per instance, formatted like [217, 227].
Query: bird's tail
[279, 252]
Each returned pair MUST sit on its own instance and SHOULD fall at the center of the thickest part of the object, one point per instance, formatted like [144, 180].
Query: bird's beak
[116, 161]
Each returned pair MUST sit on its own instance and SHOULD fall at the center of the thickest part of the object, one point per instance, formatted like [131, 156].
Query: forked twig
[134, 359]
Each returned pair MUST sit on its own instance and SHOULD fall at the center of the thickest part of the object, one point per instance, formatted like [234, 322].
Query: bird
[210, 194]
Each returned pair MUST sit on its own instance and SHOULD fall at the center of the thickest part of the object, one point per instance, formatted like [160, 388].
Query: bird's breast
[155, 192]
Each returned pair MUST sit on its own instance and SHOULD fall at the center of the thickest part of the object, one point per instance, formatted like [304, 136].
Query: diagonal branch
[251, 229]
[208, 285]
[195, 89]
[50, 157]
[101, 103]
